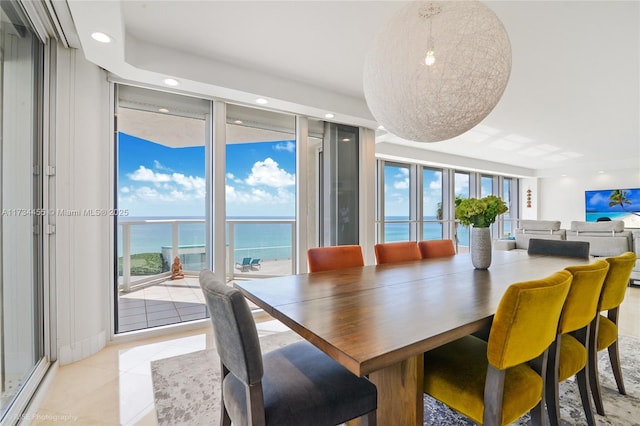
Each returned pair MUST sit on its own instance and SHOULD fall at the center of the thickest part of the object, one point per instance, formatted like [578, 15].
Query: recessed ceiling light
[346, 140]
[329, 115]
[262, 101]
[101, 37]
[381, 127]
[601, 171]
[163, 110]
[238, 122]
[171, 81]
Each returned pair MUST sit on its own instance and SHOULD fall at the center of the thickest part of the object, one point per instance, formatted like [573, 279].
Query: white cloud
[285, 146]
[159, 166]
[268, 173]
[125, 190]
[401, 184]
[147, 193]
[147, 175]
[188, 182]
[258, 196]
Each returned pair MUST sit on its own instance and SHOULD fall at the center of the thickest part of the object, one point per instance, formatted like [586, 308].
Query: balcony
[148, 297]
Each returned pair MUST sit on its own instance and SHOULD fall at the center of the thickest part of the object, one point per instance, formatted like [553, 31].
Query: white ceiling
[571, 104]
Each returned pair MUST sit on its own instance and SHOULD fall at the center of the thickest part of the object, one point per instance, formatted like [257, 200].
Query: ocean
[266, 241]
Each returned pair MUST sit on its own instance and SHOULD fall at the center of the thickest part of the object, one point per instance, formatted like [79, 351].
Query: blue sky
[155, 180]
[397, 191]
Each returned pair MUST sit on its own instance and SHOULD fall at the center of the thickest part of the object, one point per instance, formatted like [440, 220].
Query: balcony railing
[146, 249]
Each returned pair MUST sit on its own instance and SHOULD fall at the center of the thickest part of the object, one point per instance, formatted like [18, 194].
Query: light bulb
[430, 58]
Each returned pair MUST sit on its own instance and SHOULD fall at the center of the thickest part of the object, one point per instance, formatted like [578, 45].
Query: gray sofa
[527, 229]
[605, 238]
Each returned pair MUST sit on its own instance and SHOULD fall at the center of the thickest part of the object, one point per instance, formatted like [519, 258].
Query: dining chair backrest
[615, 284]
[334, 257]
[521, 330]
[436, 248]
[291, 385]
[581, 305]
[234, 329]
[397, 252]
[605, 335]
[579, 249]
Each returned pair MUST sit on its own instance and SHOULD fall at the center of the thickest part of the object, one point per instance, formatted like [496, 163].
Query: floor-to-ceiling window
[462, 189]
[396, 206]
[160, 198]
[260, 192]
[486, 186]
[432, 204]
[431, 192]
[22, 324]
[509, 195]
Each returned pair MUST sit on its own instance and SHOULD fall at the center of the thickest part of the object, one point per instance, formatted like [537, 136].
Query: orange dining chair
[568, 354]
[397, 252]
[436, 248]
[605, 334]
[334, 257]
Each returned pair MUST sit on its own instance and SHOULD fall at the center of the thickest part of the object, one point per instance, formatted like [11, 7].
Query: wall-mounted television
[614, 204]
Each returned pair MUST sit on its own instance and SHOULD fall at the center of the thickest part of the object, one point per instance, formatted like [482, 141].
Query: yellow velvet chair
[496, 382]
[436, 248]
[334, 257]
[605, 334]
[397, 252]
[568, 355]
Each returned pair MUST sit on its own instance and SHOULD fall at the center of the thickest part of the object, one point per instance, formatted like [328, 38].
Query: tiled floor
[113, 387]
[165, 303]
[175, 301]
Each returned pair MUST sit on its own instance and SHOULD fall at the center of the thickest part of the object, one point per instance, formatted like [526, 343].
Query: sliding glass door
[21, 280]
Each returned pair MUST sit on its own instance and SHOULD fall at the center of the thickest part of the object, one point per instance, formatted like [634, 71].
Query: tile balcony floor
[175, 301]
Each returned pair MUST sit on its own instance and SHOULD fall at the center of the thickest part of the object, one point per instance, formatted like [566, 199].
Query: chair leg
[225, 420]
[369, 419]
[538, 415]
[551, 383]
[614, 357]
[493, 394]
[592, 365]
[583, 387]
[541, 366]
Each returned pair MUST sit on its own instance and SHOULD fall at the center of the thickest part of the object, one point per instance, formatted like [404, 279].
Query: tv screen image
[614, 204]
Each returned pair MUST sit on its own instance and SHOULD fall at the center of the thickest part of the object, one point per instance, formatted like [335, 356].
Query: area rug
[186, 390]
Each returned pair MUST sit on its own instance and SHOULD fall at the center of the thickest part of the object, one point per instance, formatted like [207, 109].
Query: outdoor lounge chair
[245, 265]
[255, 264]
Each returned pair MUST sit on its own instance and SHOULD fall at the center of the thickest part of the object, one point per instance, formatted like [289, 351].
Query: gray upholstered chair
[294, 385]
[559, 248]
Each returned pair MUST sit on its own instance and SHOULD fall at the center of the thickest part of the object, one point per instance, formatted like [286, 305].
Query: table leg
[400, 393]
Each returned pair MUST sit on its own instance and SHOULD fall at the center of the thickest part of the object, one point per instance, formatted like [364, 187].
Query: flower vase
[480, 247]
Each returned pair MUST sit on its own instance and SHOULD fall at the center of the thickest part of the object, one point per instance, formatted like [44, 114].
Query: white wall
[562, 198]
[82, 181]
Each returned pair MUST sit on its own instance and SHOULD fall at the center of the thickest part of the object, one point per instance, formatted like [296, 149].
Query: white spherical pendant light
[437, 69]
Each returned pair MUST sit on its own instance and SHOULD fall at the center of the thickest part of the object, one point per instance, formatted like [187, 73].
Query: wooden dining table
[378, 320]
